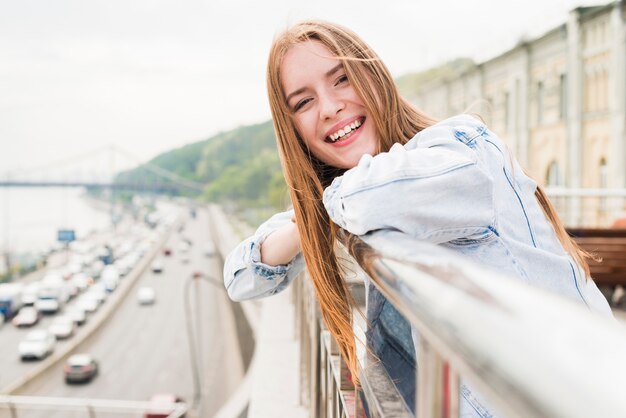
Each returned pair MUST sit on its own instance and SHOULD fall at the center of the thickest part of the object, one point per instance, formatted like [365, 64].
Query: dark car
[80, 368]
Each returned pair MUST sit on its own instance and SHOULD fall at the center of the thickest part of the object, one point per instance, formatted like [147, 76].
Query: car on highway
[146, 295]
[37, 345]
[29, 295]
[62, 327]
[80, 368]
[208, 249]
[87, 303]
[157, 266]
[98, 292]
[162, 405]
[26, 317]
[76, 314]
[184, 246]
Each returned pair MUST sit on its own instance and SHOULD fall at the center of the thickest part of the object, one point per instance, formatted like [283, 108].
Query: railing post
[429, 396]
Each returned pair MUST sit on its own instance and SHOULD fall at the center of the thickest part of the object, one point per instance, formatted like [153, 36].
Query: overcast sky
[151, 75]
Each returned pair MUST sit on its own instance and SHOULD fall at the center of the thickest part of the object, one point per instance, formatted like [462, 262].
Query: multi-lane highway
[143, 350]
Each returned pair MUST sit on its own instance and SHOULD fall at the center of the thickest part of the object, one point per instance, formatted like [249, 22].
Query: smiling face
[328, 113]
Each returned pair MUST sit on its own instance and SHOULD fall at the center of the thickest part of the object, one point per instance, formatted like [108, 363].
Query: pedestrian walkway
[273, 377]
[276, 385]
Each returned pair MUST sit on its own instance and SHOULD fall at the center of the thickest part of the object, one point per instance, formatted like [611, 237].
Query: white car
[48, 305]
[37, 345]
[97, 292]
[81, 281]
[157, 266]
[62, 327]
[76, 314]
[146, 296]
[88, 304]
[29, 295]
[208, 250]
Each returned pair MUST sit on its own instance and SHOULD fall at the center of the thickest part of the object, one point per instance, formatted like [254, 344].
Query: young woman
[360, 160]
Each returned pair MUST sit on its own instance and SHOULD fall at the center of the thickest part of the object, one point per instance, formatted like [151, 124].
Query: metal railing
[527, 352]
[39, 407]
[591, 208]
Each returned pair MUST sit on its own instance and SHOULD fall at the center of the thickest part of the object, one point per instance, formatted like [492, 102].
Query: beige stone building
[559, 101]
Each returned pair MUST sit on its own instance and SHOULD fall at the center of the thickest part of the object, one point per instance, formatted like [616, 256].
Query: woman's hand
[281, 246]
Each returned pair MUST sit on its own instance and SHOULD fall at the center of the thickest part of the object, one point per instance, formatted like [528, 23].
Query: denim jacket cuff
[332, 201]
[261, 269]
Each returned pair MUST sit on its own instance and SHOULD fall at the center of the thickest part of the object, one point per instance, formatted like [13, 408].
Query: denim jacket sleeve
[433, 188]
[246, 277]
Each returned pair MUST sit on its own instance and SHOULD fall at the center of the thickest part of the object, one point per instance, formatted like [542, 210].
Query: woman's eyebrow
[295, 93]
[328, 74]
[334, 69]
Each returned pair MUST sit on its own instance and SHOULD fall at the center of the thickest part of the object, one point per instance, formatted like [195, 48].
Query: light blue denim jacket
[453, 184]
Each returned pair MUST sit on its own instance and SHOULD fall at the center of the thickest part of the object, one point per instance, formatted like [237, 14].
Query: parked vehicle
[62, 327]
[163, 404]
[27, 317]
[10, 299]
[37, 345]
[146, 296]
[80, 368]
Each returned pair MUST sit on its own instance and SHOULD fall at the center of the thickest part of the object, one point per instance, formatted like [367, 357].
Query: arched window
[552, 175]
[604, 180]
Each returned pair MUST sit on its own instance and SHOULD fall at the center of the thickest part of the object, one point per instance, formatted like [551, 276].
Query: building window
[563, 96]
[507, 110]
[552, 175]
[540, 93]
[604, 182]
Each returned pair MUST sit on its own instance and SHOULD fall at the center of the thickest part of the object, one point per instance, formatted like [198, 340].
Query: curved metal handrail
[531, 353]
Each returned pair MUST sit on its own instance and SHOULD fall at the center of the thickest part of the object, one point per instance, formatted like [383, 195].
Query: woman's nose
[330, 106]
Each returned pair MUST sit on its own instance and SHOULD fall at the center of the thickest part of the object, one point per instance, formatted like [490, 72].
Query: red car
[167, 251]
[163, 404]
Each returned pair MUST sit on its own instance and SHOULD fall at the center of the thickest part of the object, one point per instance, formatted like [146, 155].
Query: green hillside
[238, 167]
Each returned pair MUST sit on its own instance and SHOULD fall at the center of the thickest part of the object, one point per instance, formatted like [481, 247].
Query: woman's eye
[300, 104]
[341, 79]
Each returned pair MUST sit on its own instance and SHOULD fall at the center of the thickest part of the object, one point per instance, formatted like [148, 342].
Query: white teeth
[345, 130]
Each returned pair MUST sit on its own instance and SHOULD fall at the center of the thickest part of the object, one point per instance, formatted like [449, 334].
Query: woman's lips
[344, 130]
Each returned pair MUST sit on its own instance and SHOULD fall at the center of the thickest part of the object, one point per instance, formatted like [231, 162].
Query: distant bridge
[48, 175]
[135, 187]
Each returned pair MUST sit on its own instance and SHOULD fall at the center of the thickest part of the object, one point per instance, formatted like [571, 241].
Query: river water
[31, 217]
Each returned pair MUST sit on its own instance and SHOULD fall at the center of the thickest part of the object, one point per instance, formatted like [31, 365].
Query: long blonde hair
[395, 119]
